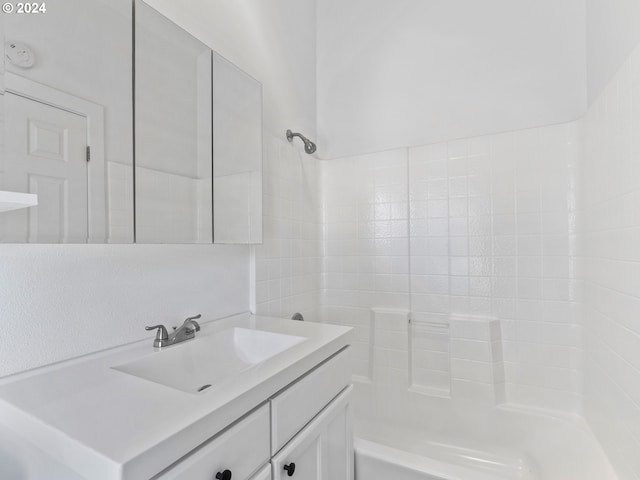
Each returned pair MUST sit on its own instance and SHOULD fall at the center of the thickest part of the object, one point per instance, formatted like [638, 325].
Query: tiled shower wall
[366, 248]
[480, 229]
[611, 232]
[287, 264]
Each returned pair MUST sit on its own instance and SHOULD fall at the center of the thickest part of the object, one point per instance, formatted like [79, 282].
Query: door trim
[96, 168]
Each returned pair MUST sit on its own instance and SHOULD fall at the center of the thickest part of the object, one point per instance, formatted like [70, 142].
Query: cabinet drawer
[242, 450]
[292, 409]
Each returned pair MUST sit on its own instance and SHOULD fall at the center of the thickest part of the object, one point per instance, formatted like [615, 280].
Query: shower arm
[309, 146]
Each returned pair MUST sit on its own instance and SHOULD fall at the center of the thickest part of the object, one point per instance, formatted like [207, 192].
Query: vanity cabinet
[302, 432]
[279, 394]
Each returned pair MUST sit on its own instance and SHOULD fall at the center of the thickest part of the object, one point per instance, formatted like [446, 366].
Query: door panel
[47, 222]
[46, 154]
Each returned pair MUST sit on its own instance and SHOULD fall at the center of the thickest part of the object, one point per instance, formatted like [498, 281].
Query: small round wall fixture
[19, 55]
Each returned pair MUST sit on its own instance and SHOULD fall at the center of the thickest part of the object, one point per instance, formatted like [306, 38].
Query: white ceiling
[409, 72]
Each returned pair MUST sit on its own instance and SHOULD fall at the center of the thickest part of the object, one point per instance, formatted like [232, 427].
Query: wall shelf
[14, 200]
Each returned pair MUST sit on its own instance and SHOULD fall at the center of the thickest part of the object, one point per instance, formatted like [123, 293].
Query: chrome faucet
[186, 331]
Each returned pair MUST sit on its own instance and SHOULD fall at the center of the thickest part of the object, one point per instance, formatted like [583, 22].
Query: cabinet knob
[226, 475]
[291, 468]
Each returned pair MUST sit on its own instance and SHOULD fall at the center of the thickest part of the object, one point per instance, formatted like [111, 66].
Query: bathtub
[376, 461]
[506, 444]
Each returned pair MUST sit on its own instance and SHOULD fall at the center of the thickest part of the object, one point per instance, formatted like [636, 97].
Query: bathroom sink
[201, 364]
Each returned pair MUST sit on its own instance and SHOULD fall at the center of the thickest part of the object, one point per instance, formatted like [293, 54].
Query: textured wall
[611, 236]
[68, 300]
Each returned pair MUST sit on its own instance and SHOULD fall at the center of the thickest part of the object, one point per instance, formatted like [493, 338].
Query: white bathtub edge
[414, 463]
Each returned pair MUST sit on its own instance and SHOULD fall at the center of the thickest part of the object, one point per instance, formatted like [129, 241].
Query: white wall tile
[609, 221]
[480, 226]
[289, 262]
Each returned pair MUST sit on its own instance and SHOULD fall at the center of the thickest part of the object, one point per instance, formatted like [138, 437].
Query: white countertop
[107, 424]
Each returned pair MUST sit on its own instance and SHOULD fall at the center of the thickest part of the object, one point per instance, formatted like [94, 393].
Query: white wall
[66, 300]
[611, 236]
[480, 227]
[612, 34]
[414, 72]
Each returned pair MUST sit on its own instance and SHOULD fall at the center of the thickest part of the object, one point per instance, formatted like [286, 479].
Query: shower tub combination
[423, 433]
[500, 444]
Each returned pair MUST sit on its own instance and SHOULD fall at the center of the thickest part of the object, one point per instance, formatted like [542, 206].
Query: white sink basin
[199, 365]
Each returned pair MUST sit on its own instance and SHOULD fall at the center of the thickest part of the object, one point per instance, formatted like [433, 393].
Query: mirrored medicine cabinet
[127, 128]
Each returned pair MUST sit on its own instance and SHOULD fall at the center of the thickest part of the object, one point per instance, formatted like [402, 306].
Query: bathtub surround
[463, 234]
[365, 250]
[388, 352]
[477, 359]
[537, 248]
[429, 344]
[514, 230]
[610, 205]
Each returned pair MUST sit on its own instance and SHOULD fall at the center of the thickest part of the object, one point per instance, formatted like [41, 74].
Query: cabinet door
[264, 474]
[237, 154]
[323, 450]
[337, 453]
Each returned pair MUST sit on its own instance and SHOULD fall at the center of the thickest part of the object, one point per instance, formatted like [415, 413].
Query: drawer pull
[291, 468]
[226, 475]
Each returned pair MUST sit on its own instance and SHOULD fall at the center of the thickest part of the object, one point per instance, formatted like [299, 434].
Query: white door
[323, 450]
[46, 154]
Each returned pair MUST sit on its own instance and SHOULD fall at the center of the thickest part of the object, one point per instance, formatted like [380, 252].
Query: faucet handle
[195, 324]
[161, 335]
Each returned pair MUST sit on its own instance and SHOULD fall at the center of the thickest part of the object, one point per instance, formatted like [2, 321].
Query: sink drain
[203, 388]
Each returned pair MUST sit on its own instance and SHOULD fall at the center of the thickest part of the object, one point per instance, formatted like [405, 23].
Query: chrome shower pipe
[309, 146]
